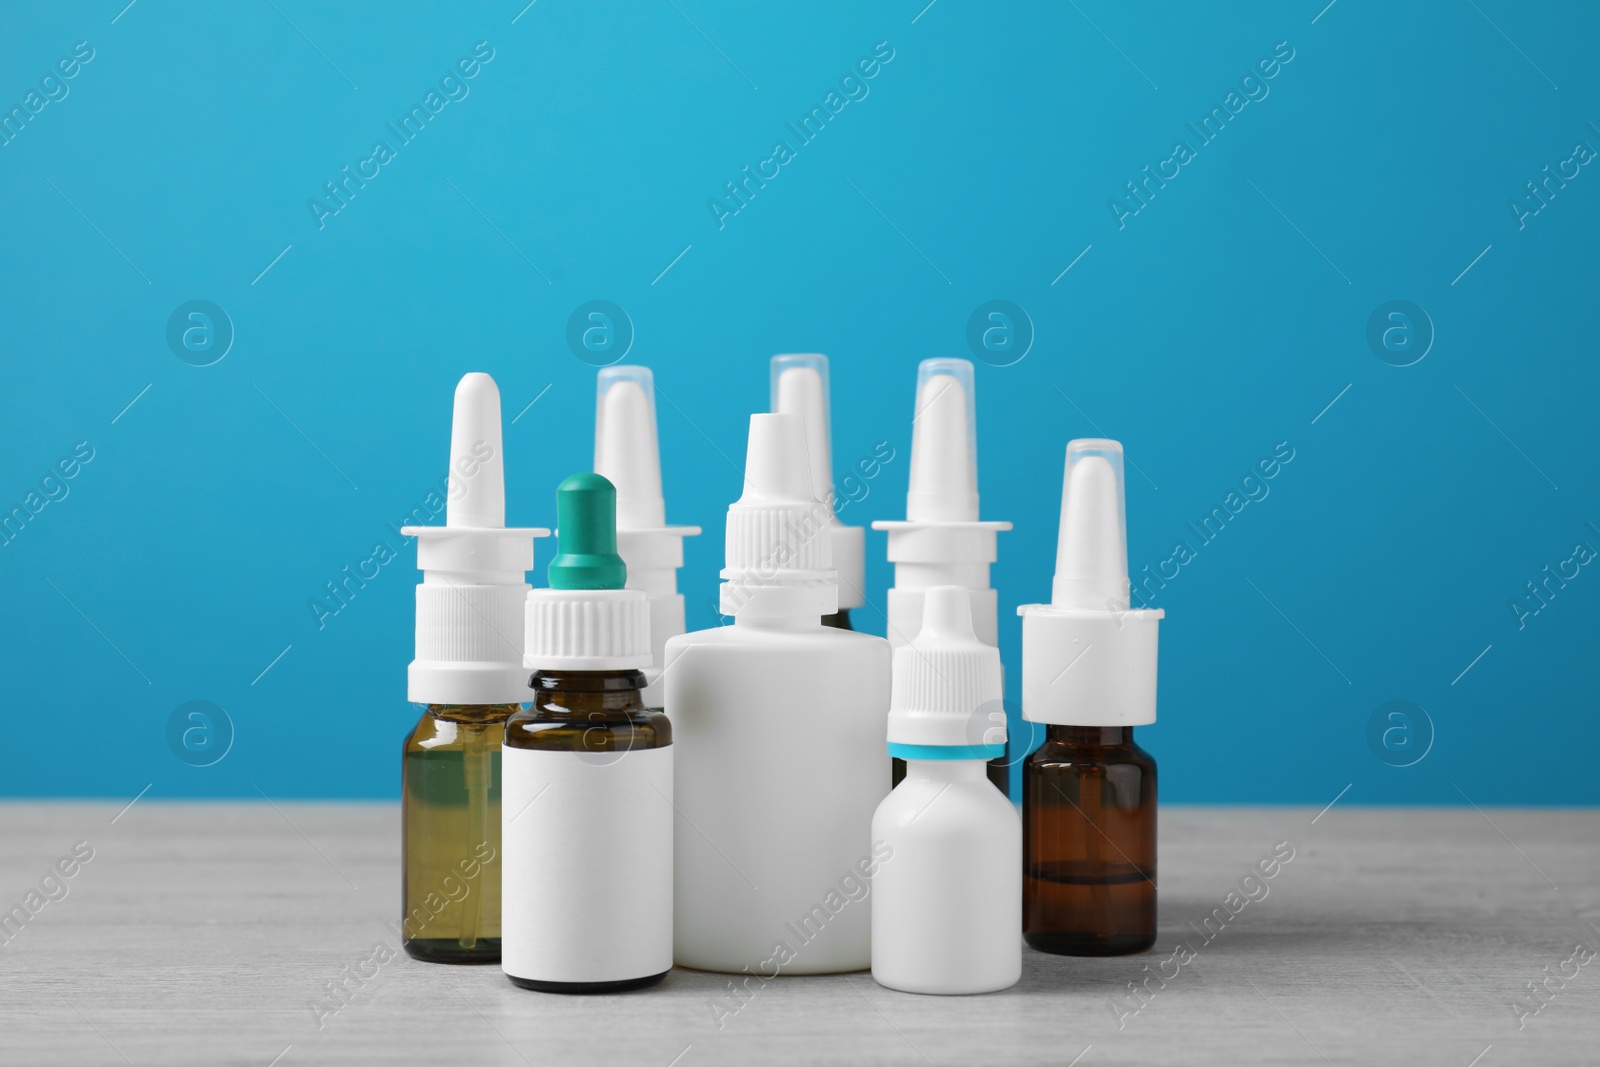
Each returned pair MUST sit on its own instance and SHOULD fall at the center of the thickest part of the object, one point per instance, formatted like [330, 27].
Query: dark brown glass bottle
[602, 715]
[450, 833]
[1089, 843]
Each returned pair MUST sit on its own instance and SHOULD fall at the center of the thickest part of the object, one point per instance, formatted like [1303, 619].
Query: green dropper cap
[586, 535]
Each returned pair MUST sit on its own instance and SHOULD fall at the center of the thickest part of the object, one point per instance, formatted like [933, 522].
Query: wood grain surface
[205, 933]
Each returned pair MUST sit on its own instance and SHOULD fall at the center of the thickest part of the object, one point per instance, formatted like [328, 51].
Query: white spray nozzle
[941, 540]
[944, 448]
[627, 452]
[469, 605]
[626, 447]
[800, 387]
[1092, 545]
[1087, 659]
[476, 497]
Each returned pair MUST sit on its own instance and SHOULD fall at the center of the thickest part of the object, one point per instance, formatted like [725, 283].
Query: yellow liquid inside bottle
[450, 816]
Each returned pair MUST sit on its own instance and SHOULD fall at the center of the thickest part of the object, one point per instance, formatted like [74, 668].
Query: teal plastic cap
[586, 535]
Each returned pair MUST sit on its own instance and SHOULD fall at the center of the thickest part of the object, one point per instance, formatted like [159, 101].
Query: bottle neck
[561, 690]
[751, 621]
[945, 770]
[473, 713]
[1091, 736]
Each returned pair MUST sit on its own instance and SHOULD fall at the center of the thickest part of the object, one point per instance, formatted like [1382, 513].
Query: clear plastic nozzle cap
[626, 446]
[1092, 550]
[944, 445]
[476, 490]
[800, 387]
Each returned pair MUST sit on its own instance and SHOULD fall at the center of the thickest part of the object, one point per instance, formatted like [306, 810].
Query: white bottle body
[778, 727]
[947, 912]
[666, 621]
[586, 875]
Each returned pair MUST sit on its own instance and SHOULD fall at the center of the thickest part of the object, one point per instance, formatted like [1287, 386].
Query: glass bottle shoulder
[571, 717]
[446, 726]
[1075, 748]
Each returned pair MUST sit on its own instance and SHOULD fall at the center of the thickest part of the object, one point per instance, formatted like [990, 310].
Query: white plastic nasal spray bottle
[468, 672]
[778, 726]
[1089, 674]
[800, 387]
[627, 453]
[942, 541]
[947, 912]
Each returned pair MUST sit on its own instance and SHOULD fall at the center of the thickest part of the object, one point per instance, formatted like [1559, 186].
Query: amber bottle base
[448, 950]
[1089, 945]
[587, 987]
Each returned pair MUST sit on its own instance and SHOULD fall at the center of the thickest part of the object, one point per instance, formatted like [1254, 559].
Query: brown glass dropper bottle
[1089, 674]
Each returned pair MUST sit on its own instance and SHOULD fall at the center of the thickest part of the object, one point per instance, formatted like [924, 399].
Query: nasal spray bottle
[1089, 674]
[468, 671]
[941, 541]
[627, 453]
[588, 774]
[800, 387]
[945, 912]
[779, 724]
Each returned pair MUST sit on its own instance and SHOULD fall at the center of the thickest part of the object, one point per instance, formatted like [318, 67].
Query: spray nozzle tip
[800, 387]
[586, 535]
[626, 448]
[477, 490]
[1092, 547]
[944, 454]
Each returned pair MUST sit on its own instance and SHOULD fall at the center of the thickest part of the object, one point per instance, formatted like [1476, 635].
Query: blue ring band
[984, 752]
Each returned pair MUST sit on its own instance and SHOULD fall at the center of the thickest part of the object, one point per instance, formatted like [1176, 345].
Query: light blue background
[1209, 329]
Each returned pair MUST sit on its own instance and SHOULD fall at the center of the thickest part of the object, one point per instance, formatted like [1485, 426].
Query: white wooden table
[205, 934]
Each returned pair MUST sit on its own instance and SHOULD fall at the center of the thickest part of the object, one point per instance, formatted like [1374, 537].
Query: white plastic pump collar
[469, 606]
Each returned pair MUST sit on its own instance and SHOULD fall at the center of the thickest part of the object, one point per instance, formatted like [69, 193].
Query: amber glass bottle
[450, 815]
[1089, 843]
[600, 715]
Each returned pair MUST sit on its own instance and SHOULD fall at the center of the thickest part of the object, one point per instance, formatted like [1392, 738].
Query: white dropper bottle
[627, 453]
[947, 912]
[800, 387]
